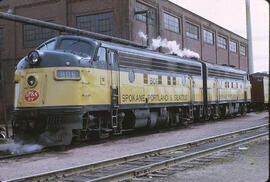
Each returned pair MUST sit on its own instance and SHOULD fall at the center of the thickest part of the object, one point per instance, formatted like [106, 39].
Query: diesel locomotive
[76, 88]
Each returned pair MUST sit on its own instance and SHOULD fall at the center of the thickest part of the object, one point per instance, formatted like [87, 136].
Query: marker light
[33, 58]
[31, 81]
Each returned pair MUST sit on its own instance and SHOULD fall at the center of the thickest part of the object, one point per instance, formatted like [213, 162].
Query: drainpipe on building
[147, 14]
[3, 105]
[249, 37]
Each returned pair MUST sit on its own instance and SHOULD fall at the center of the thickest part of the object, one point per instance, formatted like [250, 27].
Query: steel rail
[166, 163]
[92, 166]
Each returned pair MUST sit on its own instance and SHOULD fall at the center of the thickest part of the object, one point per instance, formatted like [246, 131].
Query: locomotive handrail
[63, 28]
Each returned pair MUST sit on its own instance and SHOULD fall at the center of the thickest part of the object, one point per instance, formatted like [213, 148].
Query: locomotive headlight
[31, 80]
[33, 58]
[67, 74]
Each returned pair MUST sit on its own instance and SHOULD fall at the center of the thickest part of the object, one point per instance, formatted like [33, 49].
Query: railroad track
[140, 164]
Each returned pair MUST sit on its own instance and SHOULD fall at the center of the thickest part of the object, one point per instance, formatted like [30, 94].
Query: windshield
[79, 47]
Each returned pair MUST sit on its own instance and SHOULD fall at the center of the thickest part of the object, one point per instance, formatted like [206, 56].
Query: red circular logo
[31, 95]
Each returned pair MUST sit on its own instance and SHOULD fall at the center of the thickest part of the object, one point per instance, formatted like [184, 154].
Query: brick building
[117, 18]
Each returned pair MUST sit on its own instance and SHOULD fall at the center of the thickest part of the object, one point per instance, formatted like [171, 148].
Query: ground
[250, 165]
[109, 149]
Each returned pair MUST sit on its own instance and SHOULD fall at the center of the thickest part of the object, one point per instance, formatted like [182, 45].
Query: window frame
[142, 17]
[206, 38]
[174, 80]
[82, 54]
[221, 45]
[92, 22]
[170, 24]
[189, 34]
[106, 57]
[38, 34]
[241, 50]
[145, 78]
[231, 42]
[168, 80]
[46, 44]
[159, 79]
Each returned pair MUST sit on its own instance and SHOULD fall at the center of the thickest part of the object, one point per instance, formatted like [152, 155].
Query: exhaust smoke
[18, 148]
[142, 35]
[172, 46]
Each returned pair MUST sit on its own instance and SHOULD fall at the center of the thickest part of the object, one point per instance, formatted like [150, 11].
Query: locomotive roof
[151, 54]
[224, 68]
[132, 50]
[155, 54]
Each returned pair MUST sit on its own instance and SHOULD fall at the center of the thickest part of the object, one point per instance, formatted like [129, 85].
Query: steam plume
[172, 46]
[17, 148]
[142, 35]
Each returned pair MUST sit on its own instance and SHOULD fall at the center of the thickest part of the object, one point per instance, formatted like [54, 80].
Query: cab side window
[43, 48]
[101, 55]
[49, 46]
[101, 58]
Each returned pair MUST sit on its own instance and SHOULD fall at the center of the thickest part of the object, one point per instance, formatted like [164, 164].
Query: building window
[208, 37]
[142, 17]
[171, 23]
[1, 38]
[34, 35]
[99, 23]
[242, 50]
[222, 42]
[233, 46]
[192, 31]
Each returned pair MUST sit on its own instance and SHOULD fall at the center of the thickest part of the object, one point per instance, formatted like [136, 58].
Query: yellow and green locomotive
[73, 87]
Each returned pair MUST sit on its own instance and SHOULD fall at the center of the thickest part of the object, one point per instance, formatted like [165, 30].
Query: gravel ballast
[45, 162]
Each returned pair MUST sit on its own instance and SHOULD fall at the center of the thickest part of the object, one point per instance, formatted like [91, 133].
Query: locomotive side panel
[198, 90]
[150, 80]
[158, 89]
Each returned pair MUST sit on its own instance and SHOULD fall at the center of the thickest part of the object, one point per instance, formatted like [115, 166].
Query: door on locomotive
[216, 113]
[189, 116]
[113, 69]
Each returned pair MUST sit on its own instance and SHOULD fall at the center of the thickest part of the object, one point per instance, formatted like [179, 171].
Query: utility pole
[249, 37]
